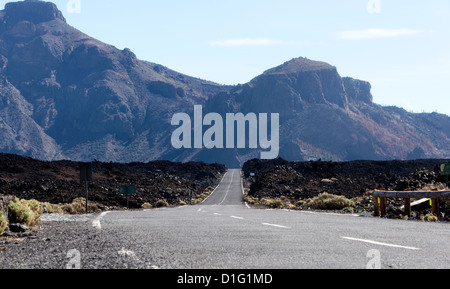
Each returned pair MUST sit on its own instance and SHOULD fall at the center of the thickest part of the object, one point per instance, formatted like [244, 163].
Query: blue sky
[401, 47]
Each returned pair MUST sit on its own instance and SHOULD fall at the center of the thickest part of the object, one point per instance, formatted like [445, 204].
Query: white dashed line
[381, 244]
[235, 217]
[275, 225]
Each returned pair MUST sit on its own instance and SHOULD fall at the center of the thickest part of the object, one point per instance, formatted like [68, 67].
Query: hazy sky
[401, 46]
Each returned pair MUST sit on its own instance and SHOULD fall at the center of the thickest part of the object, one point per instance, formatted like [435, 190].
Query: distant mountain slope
[64, 94]
[326, 116]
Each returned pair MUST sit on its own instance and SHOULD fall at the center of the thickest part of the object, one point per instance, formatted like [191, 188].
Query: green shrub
[300, 203]
[251, 200]
[52, 208]
[146, 206]
[78, 206]
[161, 204]
[327, 201]
[430, 218]
[3, 222]
[24, 212]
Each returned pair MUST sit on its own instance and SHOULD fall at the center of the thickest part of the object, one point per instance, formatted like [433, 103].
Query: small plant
[78, 206]
[251, 200]
[24, 212]
[197, 201]
[182, 203]
[3, 222]
[146, 206]
[430, 218]
[327, 201]
[52, 208]
[300, 203]
[161, 204]
[349, 210]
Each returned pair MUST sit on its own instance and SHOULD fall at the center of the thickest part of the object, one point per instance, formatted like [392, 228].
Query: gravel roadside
[63, 242]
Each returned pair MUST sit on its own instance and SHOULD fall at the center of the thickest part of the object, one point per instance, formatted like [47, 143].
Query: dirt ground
[59, 182]
[354, 180]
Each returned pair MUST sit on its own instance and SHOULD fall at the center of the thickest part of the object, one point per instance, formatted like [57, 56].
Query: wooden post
[376, 206]
[383, 208]
[408, 207]
[435, 205]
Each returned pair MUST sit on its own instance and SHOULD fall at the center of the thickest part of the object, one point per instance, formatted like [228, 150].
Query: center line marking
[239, 218]
[96, 223]
[381, 244]
[275, 225]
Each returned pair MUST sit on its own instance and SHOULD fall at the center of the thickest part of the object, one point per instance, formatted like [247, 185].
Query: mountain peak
[31, 10]
[299, 64]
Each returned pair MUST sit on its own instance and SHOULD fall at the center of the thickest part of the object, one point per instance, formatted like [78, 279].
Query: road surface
[223, 233]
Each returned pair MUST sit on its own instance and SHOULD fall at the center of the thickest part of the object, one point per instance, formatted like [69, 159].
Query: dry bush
[3, 222]
[327, 201]
[24, 212]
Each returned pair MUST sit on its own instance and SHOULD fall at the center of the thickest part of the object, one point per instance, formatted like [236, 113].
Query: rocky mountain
[326, 116]
[65, 95]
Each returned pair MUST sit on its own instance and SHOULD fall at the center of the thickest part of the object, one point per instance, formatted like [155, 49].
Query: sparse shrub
[161, 204]
[78, 206]
[276, 204]
[182, 203]
[430, 218]
[146, 206]
[348, 210]
[197, 201]
[251, 200]
[300, 203]
[327, 201]
[272, 203]
[52, 208]
[3, 222]
[24, 212]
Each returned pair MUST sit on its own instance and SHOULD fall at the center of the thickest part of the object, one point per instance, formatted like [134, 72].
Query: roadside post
[445, 170]
[86, 176]
[127, 190]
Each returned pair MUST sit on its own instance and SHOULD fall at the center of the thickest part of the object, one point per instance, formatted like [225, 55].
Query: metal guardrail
[380, 197]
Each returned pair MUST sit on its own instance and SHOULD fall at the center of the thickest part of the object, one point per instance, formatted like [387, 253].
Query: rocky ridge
[65, 95]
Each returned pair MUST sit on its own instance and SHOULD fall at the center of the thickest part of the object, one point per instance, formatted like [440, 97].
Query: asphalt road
[223, 233]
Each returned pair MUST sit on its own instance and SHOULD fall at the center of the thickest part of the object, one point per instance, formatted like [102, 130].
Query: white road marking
[228, 189]
[325, 213]
[235, 217]
[381, 244]
[217, 214]
[96, 223]
[275, 225]
[223, 177]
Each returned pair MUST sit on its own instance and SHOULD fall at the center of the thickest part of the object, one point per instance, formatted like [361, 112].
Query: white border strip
[96, 223]
[223, 177]
[381, 244]
[274, 225]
